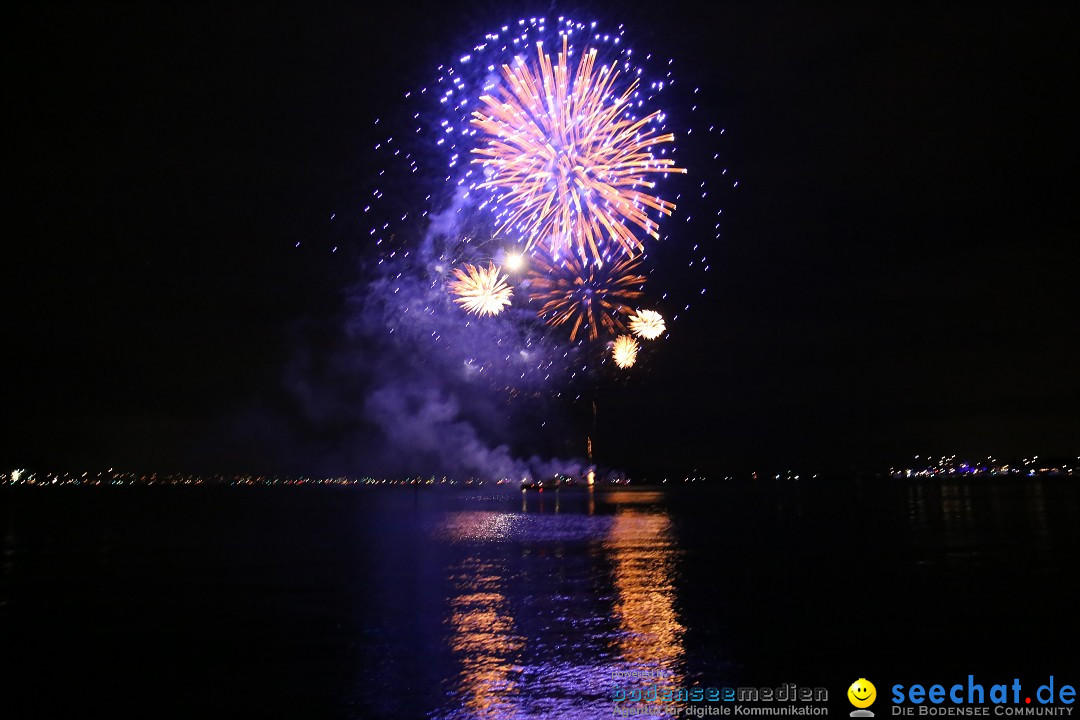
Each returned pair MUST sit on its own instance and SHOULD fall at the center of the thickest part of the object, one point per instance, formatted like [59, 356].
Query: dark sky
[896, 273]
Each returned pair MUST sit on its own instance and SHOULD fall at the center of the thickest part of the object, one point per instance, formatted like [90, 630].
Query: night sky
[896, 271]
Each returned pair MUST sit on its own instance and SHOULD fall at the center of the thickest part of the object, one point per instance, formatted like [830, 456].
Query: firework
[481, 290]
[624, 351]
[647, 324]
[428, 185]
[568, 159]
[590, 297]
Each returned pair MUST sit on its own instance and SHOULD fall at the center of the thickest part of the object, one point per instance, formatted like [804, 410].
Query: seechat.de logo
[862, 694]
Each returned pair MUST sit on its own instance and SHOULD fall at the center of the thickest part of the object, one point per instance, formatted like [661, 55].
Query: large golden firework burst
[571, 163]
[481, 290]
[589, 296]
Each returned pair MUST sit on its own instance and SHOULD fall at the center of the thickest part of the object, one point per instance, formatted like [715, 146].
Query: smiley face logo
[862, 693]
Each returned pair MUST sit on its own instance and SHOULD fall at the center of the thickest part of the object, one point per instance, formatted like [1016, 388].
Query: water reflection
[483, 637]
[9, 557]
[1035, 501]
[555, 605]
[644, 554]
[979, 522]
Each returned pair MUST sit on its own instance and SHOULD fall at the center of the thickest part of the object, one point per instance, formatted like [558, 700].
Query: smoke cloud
[413, 385]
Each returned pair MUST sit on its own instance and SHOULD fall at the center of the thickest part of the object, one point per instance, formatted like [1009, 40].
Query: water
[389, 603]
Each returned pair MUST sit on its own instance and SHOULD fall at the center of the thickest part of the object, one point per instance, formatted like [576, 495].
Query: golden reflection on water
[644, 555]
[503, 674]
[482, 636]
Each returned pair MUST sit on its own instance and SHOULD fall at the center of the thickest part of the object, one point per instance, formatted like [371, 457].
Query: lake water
[361, 602]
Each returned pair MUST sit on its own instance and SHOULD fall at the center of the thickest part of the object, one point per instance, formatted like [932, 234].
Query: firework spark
[591, 297]
[481, 290]
[624, 351]
[647, 324]
[569, 159]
